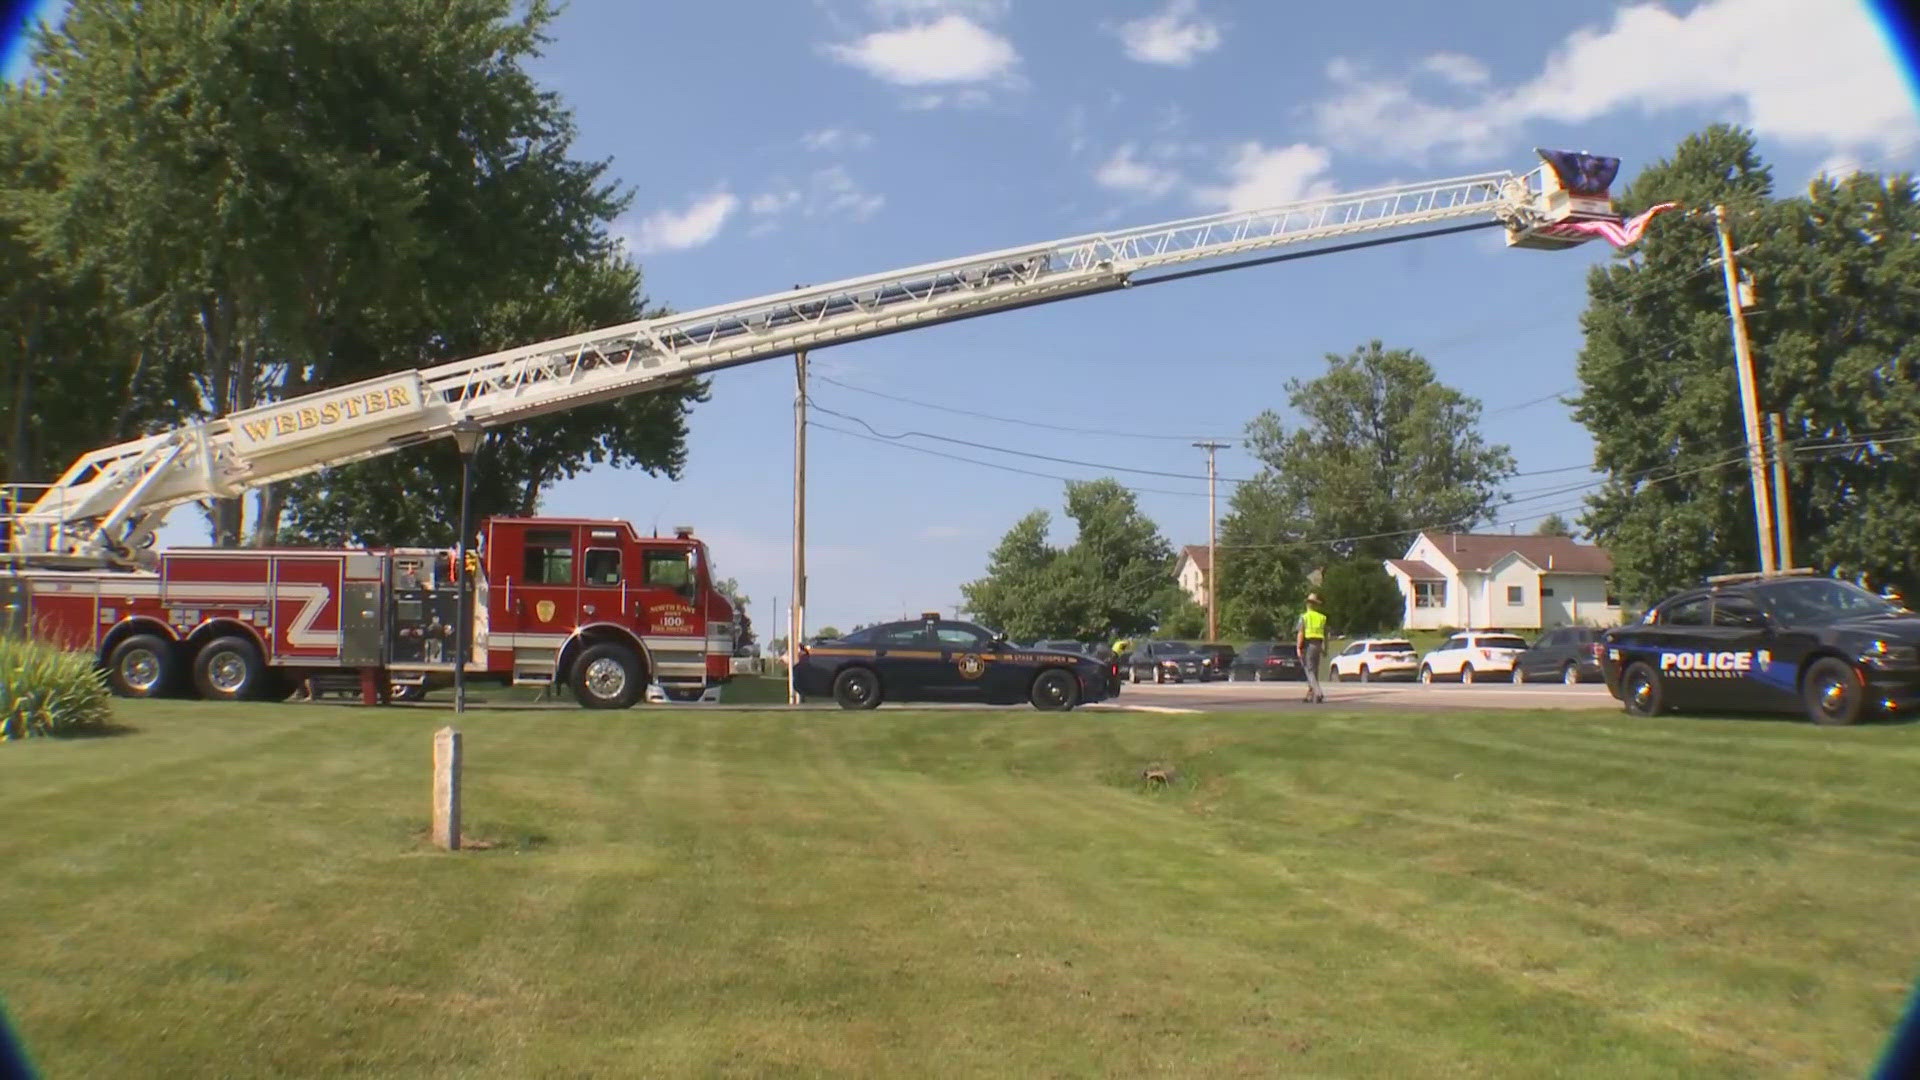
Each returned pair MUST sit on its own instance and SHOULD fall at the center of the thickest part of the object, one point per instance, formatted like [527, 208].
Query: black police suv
[1776, 643]
[935, 659]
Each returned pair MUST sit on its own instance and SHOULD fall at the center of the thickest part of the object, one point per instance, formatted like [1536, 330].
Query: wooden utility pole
[797, 619]
[1213, 557]
[1749, 395]
[1782, 517]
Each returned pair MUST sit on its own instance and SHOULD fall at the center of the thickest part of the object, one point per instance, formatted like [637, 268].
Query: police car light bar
[1759, 575]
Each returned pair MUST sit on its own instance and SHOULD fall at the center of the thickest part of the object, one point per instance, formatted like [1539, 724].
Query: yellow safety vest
[1314, 624]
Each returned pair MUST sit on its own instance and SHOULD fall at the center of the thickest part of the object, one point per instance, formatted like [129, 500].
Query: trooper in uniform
[1310, 637]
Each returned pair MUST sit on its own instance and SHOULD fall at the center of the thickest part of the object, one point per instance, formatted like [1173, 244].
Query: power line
[1011, 420]
[987, 464]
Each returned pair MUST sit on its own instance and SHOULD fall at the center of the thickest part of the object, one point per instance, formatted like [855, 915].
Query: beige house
[1513, 582]
[1191, 571]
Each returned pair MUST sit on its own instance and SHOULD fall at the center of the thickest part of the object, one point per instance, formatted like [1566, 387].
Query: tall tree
[1553, 525]
[1383, 450]
[320, 192]
[1360, 598]
[1835, 274]
[1113, 579]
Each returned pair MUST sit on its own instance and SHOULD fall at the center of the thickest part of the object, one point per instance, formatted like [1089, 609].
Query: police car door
[1744, 641]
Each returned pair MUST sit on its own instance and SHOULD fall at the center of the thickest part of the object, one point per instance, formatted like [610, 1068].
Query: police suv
[1780, 643]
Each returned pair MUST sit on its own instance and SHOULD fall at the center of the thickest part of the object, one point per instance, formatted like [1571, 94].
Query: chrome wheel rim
[1833, 696]
[227, 671]
[1641, 694]
[606, 677]
[140, 669]
[1571, 675]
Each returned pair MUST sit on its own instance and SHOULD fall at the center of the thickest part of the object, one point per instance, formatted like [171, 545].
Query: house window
[1516, 595]
[1429, 594]
[1546, 592]
[549, 557]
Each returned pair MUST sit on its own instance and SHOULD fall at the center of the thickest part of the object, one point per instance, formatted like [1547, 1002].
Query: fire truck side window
[602, 566]
[549, 557]
[670, 570]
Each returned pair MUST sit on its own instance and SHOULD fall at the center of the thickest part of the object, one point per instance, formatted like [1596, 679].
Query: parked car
[1472, 655]
[1219, 659]
[1061, 645]
[1263, 661]
[1167, 661]
[1569, 654]
[1376, 658]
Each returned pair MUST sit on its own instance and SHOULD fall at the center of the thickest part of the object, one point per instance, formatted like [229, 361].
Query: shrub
[45, 690]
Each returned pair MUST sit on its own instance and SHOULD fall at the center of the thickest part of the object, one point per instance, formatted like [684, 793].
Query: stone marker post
[446, 789]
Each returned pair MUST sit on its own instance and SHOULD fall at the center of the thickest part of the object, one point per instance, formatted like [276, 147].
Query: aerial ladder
[106, 508]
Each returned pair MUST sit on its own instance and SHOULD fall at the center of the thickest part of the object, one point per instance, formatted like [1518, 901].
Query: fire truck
[588, 606]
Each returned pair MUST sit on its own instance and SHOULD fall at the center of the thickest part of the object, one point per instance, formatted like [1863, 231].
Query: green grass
[247, 891]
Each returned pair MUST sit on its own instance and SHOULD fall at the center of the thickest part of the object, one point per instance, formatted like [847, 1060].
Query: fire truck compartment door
[360, 630]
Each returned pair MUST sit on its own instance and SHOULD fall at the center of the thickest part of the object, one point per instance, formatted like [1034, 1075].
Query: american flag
[1618, 233]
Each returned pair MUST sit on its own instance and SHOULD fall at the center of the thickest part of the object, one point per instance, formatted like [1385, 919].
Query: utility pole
[1749, 394]
[797, 619]
[1213, 558]
[1782, 519]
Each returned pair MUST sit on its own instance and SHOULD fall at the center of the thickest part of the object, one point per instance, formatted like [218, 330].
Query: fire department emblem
[544, 609]
[972, 667]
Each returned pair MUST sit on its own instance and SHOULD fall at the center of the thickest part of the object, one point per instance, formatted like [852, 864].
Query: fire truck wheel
[141, 667]
[607, 676]
[229, 669]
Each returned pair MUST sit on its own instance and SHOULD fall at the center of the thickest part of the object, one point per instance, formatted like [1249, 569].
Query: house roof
[1416, 570]
[1553, 554]
[1197, 553]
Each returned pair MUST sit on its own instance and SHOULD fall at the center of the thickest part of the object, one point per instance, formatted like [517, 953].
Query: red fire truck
[588, 605]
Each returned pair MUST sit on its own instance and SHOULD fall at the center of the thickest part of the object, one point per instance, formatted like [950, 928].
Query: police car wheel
[1832, 693]
[857, 688]
[1466, 674]
[1426, 674]
[1054, 690]
[1571, 676]
[1518, 674]
[1640, 690]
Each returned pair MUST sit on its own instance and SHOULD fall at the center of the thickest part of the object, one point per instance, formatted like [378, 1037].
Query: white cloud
[836, 139]
[951, 49]
[1260, 176]
[669, 230]
[829, 192]
[1815, 75]
[1176, 36]
[1124, 171]
[1456, 69]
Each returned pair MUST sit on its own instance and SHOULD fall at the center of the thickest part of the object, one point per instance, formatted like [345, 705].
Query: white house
[1191, 571]
[1514, 582]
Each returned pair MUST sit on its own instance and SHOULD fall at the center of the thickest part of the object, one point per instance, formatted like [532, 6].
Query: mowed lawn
[248, 891]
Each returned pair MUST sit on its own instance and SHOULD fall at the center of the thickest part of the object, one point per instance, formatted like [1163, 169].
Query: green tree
[1183, 619]
[1834, 273]
[1383, 450]
[1112, 580]
[292, 195]
[1553, 525]
[1360, 598]
[827, 633]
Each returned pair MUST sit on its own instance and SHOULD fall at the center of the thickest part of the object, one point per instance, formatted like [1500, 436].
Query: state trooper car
[935, 659]
[1780, 643]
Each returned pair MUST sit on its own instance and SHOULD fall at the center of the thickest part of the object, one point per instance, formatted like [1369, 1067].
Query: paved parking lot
[1220, 696]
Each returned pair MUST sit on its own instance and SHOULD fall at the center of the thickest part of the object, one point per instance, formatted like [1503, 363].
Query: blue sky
[777, 143]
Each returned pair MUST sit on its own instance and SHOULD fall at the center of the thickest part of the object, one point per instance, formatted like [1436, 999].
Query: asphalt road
[1285, 696]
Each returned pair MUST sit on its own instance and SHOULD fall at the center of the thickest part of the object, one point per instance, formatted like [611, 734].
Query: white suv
[1376, 658]
[1471, 654]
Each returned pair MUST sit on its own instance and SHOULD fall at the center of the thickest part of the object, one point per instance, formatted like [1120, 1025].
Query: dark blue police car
[1779, 643]
[937, 659]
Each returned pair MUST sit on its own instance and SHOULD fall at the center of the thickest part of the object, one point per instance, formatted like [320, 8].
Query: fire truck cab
[585, 605]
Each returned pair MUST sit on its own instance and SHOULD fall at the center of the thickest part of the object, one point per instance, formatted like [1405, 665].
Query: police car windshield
[1820, 602]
